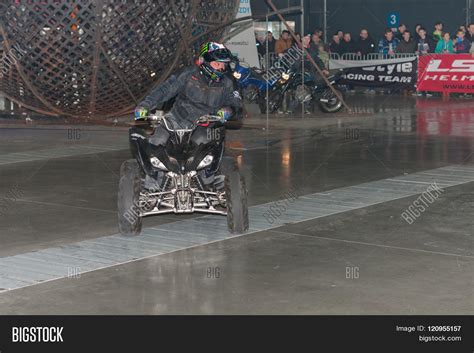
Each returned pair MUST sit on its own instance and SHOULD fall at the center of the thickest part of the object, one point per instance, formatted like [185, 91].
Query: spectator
[347, 44]
[445, 46]
[313, 52]
[320, 33]
[407, 44]
[260, 44]
[323, 54]
[424, 45]
[315, 40]
[462, 45]
[283, 43]
[438, 32]
[401, 29]
[340, 34]
[470, 32]
[298, 36]
[366, 44]
[271, 43]
[416, 35]
[470, 36]
[388, 45]
[335, 46]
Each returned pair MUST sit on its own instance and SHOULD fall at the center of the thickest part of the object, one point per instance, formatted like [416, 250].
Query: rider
[311, 51]
[199, 90]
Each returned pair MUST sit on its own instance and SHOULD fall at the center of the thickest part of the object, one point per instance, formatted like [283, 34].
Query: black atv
[180, 171]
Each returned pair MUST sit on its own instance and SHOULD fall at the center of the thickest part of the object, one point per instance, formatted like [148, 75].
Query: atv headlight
[158, 164]
[205, 161]
[237, 75]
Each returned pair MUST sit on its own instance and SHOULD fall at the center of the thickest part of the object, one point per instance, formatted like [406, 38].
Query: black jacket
[430, 42]
[260, 48]
[313, 51]
[195, 96]
[365, 46]
[470, 36]
[336, 48]
[271, 46]
[348, 47]
[407, 47]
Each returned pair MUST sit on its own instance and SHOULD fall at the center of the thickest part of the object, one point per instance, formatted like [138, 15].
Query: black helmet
[211, 51]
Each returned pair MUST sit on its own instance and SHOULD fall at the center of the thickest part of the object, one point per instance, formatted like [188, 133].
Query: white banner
[243, 44]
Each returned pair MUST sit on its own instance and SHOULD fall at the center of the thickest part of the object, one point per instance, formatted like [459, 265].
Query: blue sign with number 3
[393, 20]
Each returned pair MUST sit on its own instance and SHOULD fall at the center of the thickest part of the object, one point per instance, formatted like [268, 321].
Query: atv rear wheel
[129, 219]
[236, 197]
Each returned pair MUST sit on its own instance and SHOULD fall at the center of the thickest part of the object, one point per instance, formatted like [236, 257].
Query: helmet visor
[221, 55]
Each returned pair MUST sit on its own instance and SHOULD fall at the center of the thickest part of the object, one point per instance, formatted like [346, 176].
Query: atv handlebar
[162, 119]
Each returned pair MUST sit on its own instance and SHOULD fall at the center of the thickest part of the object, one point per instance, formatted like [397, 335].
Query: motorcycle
[180, 171]
[250, 81]
[291, 83]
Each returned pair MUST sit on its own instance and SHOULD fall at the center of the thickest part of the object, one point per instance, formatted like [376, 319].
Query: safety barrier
[370, 56]
[271, 58]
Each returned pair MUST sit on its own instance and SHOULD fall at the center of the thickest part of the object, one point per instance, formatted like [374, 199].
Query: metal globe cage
[88, 59]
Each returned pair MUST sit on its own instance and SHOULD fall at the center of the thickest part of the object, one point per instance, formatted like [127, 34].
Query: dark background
[352, 15]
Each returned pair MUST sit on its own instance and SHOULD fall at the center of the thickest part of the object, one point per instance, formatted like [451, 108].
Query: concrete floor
[363, 261]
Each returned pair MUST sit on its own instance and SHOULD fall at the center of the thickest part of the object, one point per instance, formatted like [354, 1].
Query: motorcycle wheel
[275, 98]
[250, 94]
[236, 197]
[333, 105]
[128, 197]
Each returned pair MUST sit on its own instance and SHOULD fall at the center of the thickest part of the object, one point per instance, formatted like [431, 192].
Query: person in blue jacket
[388, 44]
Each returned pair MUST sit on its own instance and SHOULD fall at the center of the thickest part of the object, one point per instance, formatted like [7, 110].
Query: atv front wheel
[129, 219]
[236, 198]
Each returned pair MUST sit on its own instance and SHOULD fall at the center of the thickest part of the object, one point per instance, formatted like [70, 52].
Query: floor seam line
[371, 244]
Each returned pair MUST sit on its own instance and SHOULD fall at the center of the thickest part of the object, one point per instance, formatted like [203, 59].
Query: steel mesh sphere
[99, 58]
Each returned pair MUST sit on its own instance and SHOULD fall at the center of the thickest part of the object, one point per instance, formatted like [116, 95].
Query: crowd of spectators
[394, 40]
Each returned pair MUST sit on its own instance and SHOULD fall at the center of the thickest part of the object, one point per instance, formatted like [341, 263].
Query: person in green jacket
[445, 45]
[323, 54]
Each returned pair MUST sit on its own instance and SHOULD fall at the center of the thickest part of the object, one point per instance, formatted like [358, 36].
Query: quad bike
[180, 171]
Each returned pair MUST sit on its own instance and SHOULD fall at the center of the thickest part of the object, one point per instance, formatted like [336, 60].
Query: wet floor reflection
[404, 135]
[445, 118]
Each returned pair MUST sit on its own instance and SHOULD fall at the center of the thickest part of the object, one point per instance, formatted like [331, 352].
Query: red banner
[446, 73]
